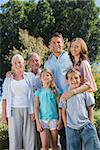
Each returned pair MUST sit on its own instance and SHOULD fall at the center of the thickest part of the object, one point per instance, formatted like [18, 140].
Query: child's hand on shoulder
[59, 124]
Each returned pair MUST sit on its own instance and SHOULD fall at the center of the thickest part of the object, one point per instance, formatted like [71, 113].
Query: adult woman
[79, 56]
[17, 106]
[78, 53]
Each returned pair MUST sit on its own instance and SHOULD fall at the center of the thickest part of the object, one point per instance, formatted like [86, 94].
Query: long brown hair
[52, 83]
[83, 53]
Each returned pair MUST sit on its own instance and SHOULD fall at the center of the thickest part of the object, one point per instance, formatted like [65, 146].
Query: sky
[4, 1]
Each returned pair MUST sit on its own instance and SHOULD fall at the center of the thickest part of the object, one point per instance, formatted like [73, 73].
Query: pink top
[86, 72]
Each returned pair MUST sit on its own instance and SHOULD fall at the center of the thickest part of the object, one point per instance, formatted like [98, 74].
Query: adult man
[59, 63]
[34, 64]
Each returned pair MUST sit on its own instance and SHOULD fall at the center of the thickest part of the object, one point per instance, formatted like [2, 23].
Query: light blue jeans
[87, 135]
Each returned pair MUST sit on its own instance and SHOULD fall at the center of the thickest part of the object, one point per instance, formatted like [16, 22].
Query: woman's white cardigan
[7, 94]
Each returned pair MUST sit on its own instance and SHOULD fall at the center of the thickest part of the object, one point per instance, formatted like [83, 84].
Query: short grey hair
[33, 54]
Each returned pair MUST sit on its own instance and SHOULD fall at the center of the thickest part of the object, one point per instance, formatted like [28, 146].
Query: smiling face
[56, 45]
[75, 48]
[34, 63]
[18, 64]
[74, 80]
[46, 78]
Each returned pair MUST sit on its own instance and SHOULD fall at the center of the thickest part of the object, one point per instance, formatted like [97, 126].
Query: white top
[7, 93]
[19, 89]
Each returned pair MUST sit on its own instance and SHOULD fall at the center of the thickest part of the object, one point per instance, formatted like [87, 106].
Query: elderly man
[34, 64]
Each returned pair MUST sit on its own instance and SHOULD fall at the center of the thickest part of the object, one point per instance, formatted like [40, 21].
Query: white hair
[17, 56]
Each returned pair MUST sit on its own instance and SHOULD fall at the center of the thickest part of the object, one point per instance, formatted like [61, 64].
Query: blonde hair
[52, 83]
[17, 56]
[83, 53]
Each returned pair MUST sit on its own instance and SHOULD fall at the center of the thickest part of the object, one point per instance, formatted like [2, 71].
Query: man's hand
[32, 117]
[9, 74]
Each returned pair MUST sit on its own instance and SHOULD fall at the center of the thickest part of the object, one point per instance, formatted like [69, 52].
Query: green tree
[13, 15]
[73, 18]
[29, 44]
[43, 19]
[76, 18]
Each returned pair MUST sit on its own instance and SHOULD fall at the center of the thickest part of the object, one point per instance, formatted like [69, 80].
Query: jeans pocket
[90, 125]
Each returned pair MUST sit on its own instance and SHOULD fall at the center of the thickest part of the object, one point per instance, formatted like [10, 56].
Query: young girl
[46, 111]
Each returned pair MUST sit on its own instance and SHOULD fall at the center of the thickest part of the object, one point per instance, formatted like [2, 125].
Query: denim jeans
[87, 135]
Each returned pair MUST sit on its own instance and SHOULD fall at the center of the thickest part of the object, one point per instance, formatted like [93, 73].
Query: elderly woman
[17, 106]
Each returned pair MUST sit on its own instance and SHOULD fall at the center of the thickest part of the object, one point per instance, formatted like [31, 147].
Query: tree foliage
[29, 44]
[73, 18]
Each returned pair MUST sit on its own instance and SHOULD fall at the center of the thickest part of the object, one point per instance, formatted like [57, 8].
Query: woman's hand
[67, 95]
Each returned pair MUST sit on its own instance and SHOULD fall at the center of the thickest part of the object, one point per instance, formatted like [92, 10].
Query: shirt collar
[62, 52]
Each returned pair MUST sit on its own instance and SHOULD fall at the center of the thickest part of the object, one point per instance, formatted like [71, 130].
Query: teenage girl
[48, 117]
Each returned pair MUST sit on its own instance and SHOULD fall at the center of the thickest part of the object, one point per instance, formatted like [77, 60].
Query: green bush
[97, 99]
[97, 94]
[97, 121]
[3, 136]
[4, 131]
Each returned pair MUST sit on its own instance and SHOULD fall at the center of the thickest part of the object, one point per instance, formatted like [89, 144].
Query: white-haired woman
[17, 106]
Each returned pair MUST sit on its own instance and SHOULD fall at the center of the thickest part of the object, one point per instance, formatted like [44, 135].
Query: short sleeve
[89, 99]
[63, 104]
[87, 75]
[37, 93]
[58, 92]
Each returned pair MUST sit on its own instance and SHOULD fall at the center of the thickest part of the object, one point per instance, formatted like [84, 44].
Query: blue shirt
[47, 104]
[76, 109]
[59, 67]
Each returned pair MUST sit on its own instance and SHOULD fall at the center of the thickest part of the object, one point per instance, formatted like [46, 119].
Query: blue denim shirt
[59, 67]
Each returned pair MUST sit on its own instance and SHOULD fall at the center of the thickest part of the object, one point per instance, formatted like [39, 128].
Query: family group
[39, 105]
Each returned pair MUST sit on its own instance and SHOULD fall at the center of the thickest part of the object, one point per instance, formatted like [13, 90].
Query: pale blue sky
[4, 1]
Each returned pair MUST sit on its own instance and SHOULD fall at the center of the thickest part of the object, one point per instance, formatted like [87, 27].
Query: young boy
[79, 117]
